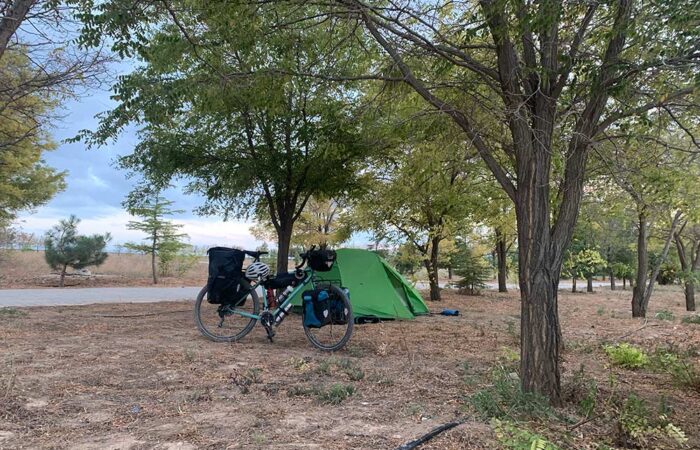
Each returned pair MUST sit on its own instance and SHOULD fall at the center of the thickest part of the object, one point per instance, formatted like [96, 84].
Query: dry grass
[79, 380]
[29, 269]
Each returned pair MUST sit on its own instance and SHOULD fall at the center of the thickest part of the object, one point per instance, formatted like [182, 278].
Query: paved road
[85, 296]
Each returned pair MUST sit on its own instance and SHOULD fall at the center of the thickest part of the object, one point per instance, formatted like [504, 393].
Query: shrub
[668, 274]
[513, 437]
[664, 314]
[473, 269]
[678, 366]
[637, 426]
[505, 399]
[692, 319]
[626, 355]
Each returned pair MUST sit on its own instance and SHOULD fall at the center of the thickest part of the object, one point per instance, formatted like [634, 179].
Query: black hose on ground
[434, 432]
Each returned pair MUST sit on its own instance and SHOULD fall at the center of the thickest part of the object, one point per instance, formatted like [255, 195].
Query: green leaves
[64, 247]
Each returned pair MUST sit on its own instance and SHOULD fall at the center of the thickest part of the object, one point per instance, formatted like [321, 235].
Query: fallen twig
[646, 324]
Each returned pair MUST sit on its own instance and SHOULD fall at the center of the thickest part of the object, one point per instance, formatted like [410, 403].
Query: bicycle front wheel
[225, 323]
[337, 333]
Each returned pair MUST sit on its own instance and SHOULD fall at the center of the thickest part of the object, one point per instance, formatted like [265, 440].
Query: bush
[513, 437]
[664, 314]
[626, 355]
[679, 366]
[505, 399]
[692, 319]
[637, 426]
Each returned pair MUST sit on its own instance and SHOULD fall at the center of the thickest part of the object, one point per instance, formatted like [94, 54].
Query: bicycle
[242, 315]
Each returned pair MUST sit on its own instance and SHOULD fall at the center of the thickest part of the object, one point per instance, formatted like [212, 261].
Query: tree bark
[638, 309]
[642, 293]
[573, 285]
[612, 281]
[62, 281]
[11, 21]
[153, 267]
[431, 265]
[589, 284]
[284, 240]
[502, 262]
[690, 263]
[624, 283]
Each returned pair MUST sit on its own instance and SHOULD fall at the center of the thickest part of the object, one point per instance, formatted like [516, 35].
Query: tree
[64, 248]
[40, 68]
[556, 75]
[163, 241]
[472, 269]
[687, 240]
[25, 179]
[421, 196]
[584, 264]
[322, 222]
[254, 146]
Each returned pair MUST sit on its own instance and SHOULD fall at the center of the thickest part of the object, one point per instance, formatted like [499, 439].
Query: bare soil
[81, 378]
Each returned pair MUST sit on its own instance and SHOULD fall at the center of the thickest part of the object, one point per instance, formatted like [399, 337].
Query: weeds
[695, 318]
[332, 395]
[505, 399]
[664, 314]
[12, 312]
[601, 310]
[626, 355]
[678, 366]
[637, 426]
[511, 436]
[344, 365]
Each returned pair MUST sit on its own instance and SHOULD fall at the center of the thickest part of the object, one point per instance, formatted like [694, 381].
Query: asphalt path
[87, 296]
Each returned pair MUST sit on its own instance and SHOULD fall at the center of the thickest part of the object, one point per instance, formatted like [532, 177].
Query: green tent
[376, 289]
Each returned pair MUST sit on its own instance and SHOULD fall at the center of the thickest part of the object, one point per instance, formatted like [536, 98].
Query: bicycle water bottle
[283, 312]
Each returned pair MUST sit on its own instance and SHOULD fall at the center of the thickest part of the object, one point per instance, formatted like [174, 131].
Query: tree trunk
[539, 268]
[153, 267]
[624, 283]
[689, 264]
[612, 281]
[589, 284]
[449, 273]
[62, 281]
[638, 309]
[284, 240]
[642, 293]
[502, 262]
[573, 285]
[431, 265]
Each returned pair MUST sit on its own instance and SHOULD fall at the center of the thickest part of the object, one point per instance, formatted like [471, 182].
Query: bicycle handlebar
[304, 257]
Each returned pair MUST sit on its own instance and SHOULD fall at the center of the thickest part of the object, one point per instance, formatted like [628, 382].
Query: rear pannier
[316, 308]
[321, 260]
[225, 275]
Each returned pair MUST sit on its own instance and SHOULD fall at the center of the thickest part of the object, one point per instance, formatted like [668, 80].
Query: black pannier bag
[281, 281]
[316, 308]
[225, 274]
[321, 260]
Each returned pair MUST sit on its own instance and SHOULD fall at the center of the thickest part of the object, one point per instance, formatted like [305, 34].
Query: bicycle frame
[305, 282]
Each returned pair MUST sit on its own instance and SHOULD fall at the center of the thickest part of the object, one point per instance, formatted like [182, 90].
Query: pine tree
[65, 248]
[163, 241]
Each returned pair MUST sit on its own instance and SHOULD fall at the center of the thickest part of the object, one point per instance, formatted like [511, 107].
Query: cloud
[201, 231]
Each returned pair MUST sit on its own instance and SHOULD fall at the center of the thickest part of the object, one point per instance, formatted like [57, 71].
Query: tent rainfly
[376, 289]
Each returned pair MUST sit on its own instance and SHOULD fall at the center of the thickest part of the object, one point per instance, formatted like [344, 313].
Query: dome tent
[377, 290]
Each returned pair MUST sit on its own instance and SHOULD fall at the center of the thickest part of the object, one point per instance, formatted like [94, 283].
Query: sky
[96, 188]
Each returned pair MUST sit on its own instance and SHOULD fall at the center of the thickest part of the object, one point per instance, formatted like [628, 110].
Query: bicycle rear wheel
[224, 323]
[335, 335]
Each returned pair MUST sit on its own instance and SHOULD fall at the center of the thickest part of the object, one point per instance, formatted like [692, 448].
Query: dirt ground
[78, 377]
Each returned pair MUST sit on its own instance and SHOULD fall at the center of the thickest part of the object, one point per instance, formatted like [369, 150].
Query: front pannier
[321, 260]
[316, 308]
[339, 312]
[224, 283]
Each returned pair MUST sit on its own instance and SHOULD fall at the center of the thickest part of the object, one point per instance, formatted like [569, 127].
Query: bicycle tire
[216, 338]
[348, 331]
